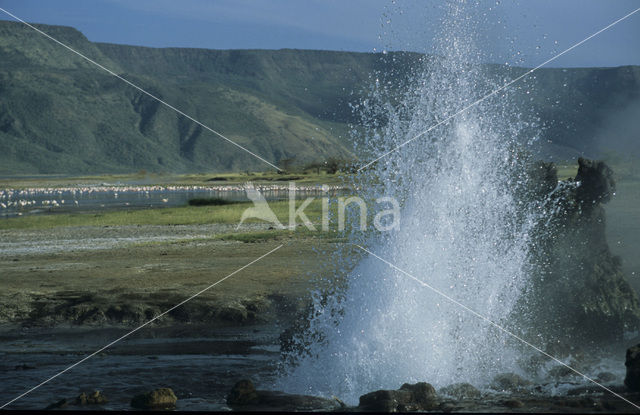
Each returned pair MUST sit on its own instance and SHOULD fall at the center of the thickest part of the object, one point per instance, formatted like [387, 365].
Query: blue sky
[525, 32]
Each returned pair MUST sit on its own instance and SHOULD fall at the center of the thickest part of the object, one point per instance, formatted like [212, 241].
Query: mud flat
[122, 276]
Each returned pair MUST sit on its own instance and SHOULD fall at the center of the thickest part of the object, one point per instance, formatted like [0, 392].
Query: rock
[596, 182]
[422, 393]
[461, 391]
[447, 407]
[385, 401]
[243, 393]
[417, 397]
[244, 396]
[92, 398]
[509, 382]
[513, 403]
[578, 292]
[285, 402]
[162, 398]
[62, 403]
[632, 362]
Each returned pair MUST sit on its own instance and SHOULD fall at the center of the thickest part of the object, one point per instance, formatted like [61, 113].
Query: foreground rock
[244, 396]
[418, 397]
[632, 362]
[91, 398]
[162, 398]
[61, 404]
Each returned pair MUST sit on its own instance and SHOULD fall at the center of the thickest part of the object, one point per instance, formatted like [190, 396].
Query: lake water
[18, 202]
[200, 364]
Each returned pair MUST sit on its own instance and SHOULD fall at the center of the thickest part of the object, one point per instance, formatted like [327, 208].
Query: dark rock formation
[243, 393]
[632, 362]
[418, 397]
[596, 182]
[162, 398]
[422, 393]
[578, 294]
[244, 396]
[91, 398]
[513, 403]
[385, 401]
[60, 404]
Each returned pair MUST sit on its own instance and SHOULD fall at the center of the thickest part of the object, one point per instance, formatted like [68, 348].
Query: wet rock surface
[245, 397]
[162, 398]
[61, 404]
[422, 397]
[410, 397]
[91, 398]
[243, 393]
[632, 362]
[579, 293]
[596, 182]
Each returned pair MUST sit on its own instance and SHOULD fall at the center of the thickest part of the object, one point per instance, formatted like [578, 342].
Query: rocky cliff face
[579, 292]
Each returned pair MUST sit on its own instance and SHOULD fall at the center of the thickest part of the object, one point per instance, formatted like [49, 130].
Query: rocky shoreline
[503, 396]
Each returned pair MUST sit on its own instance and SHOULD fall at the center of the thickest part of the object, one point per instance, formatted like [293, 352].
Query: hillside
[60, 114]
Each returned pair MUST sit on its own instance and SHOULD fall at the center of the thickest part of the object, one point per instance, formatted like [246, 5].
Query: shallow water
[199, 364]
[78, 199]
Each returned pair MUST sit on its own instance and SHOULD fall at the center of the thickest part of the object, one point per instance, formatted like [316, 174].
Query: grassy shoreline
[167, 216]
[155, 179]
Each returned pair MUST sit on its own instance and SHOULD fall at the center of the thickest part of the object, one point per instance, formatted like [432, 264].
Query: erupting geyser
[464, 230]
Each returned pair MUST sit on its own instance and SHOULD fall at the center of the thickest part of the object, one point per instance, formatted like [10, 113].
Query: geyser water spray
[463, 230]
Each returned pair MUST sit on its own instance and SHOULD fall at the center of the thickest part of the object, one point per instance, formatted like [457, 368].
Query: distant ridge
[60, 114]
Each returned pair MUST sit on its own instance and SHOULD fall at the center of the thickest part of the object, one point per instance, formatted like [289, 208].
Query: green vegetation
[186, 215]
[210, 201]
[60, 114]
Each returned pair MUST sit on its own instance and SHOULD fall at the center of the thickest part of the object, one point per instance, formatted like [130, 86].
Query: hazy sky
[526, 32]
